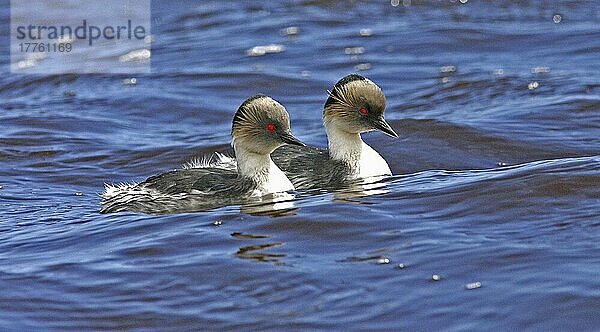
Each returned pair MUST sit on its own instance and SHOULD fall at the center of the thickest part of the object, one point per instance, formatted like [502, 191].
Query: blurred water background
[496, 187]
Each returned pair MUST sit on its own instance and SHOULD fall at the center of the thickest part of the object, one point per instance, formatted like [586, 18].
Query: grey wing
[199, 180]
[289, 157]
[183, 190]
[310, 168]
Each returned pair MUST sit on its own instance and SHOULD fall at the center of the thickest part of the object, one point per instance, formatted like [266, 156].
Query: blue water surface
[496, 186]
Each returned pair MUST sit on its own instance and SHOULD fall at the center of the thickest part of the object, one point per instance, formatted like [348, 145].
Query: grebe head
[261, 125]
[356, 105]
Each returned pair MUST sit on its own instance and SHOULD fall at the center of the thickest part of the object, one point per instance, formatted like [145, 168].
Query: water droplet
[445, 79]
[0, 187]
[78, 194]
[290, 31]
[137, 55]
[366, 32]
[395, 3]
[383, 260]
[447, 69]
[463, 1]
[473, 285]
[354, 50]
[265, 49]
[218, 223]
[406, 3]
[36, 56]
[130, 81]
[533, 85]
[540, 70]
[65, 39]
[502, 164]
[499, 72]
[436, 277]
[400, 266]
[362, 66]
[26, 64]
[557, 18]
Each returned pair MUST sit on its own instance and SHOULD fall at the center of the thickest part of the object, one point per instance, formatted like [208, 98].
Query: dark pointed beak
[290, 139]
[380, 124]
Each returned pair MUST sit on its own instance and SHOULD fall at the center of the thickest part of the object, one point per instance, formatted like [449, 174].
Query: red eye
[363, 111]
[271, 127]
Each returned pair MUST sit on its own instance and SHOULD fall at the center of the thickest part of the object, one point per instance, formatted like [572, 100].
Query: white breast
[372, 164]
[278, 181]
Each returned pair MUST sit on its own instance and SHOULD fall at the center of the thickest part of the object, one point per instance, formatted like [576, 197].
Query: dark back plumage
[182, 190]
[311, 168]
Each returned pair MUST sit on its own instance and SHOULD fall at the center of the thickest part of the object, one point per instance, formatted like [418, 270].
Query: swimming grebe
[354, 106]
[260, 126]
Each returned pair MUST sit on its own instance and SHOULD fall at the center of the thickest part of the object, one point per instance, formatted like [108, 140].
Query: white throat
[349, 147]
[261, 169]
